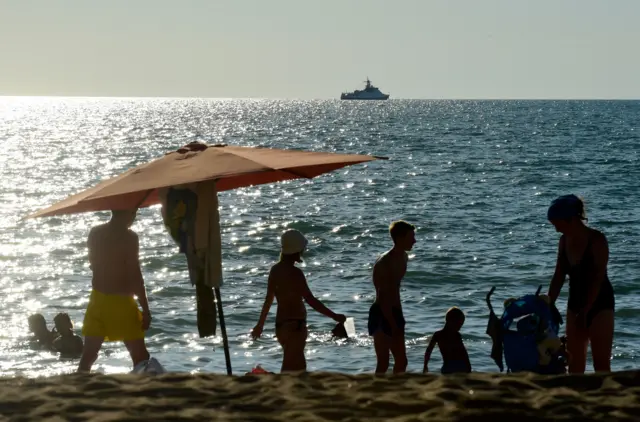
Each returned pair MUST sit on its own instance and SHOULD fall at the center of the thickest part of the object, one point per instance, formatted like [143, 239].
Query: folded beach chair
[526, 334]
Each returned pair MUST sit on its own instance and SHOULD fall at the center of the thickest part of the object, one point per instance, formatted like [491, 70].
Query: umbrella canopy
[231, 166]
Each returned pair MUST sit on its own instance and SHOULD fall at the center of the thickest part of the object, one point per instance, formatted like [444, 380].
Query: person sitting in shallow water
[455, 358]
[67, 343]
[41, 334]
[288, 285]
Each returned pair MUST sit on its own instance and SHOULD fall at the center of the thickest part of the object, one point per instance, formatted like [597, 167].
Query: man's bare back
[388, 272]
[113, 256]
[385, 314]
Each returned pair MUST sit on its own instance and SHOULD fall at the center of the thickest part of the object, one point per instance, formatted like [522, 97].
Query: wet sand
[322, 397]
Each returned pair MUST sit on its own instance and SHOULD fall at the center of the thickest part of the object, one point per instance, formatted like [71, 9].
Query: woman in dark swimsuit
[583, 254]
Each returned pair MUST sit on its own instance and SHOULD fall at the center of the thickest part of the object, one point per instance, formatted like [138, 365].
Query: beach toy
[258, 370]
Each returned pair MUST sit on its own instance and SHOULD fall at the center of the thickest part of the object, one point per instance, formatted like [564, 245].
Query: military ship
[369, 92]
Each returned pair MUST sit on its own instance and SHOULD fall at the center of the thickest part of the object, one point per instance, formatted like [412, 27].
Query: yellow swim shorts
[116, 318]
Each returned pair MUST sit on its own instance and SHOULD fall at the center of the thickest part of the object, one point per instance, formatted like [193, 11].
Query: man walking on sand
[112, 313]
[386, 321]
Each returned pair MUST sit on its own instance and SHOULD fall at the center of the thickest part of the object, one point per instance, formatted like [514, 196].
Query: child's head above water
[63, 322]
[454, 318]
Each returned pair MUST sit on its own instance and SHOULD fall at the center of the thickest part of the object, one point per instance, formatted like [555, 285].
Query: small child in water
[68, 344]
[455, 358]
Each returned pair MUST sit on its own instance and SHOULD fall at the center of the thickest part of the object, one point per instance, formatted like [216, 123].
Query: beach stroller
[527, 335]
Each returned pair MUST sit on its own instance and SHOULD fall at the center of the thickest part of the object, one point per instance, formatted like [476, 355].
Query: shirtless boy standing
[454, 355]
[112, 313]
[289, 286]
[386, 321]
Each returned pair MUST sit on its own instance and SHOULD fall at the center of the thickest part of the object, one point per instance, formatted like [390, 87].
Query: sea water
[475, 177]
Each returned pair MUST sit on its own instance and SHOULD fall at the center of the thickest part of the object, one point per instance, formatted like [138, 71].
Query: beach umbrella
[204, 170]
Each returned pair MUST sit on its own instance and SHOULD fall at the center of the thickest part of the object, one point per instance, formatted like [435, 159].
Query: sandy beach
[322, 397]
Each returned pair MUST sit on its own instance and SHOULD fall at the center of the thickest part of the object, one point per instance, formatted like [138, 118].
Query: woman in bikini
[583, 254]
[289, 286]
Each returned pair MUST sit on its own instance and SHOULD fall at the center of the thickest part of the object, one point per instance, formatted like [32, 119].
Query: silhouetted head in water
[38, 326]
[567, 214]
[63, 324]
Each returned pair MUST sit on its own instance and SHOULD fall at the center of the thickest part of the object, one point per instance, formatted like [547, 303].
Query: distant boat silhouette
[370, 92]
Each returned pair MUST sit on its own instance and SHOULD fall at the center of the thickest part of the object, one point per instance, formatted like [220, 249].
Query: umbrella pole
[223, 329]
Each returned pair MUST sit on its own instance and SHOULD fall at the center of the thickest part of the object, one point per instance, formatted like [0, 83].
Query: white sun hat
[292, 241]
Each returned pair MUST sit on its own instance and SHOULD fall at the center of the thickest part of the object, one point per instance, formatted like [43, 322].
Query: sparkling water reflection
[475, 177]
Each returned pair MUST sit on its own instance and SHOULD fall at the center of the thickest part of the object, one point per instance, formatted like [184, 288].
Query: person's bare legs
[577, 342]
[293, 342]
[90, 352]
[138, 350]
[601, 339]
[399, 351]
[381, 344]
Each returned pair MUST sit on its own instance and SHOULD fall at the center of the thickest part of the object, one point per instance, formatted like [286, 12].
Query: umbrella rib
[287, 170]
[299, 175]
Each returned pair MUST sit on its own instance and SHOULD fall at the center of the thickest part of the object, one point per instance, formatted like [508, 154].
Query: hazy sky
[319, 48]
